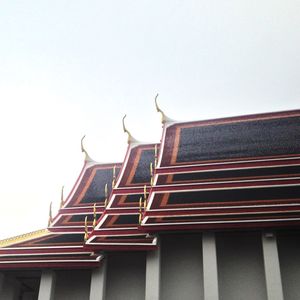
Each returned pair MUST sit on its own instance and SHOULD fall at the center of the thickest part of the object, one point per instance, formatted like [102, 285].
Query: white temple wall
[126, 276]
[243, 265]
[72, 284]
[181, 267]
[241, 272]
[289, 249]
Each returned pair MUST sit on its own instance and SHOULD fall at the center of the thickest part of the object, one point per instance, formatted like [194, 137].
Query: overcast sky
[69, 68]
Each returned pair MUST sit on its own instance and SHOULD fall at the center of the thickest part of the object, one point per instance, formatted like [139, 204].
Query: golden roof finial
[130, 139]
[155, 155]
[86, 234]
[95, 216]
[145, 192]
[50, 215]
[114, 177]
[151, 173]
[140, 209]
[164, 118]
[106, 194]
[87, 157]
[145, 196]
[140, 203]
[62, 197]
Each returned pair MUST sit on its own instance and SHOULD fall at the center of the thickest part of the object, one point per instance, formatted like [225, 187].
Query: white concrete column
[210, 269]
[98, 281]
[272, 268]
[153, 274]
[47, 285]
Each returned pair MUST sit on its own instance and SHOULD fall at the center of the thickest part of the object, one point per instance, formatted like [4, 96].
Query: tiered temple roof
[227, 173]
[222, 174]
[119, 226]
[62, 243]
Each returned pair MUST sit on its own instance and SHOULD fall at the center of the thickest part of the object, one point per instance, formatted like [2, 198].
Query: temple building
[211, 212]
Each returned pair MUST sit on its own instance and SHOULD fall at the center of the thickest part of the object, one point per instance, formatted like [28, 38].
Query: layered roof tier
[62, 243]
[87, 198]
[227, 173]
[119, 226]
[45, 249]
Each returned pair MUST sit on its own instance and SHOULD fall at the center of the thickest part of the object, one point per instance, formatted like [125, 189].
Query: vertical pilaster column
[153, 274]
[210, 269]
[272, 268]
[47, 285]
[98, 281]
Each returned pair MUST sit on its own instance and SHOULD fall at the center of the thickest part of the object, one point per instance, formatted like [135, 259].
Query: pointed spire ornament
[151, 174]
[155, 156]
[140, 204]
[95, 216]
[130, 139]
[106, 195]
[164, 118]
[145, 192]
[114, 177]
[140, 209]
[62, 197]
[87, 157]
[50, 215]
[145, 196]
[86, 234]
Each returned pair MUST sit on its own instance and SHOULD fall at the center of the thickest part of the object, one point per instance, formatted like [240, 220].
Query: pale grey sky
[69, 68]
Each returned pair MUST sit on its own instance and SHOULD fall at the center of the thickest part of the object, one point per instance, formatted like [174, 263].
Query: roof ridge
[23, 237]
